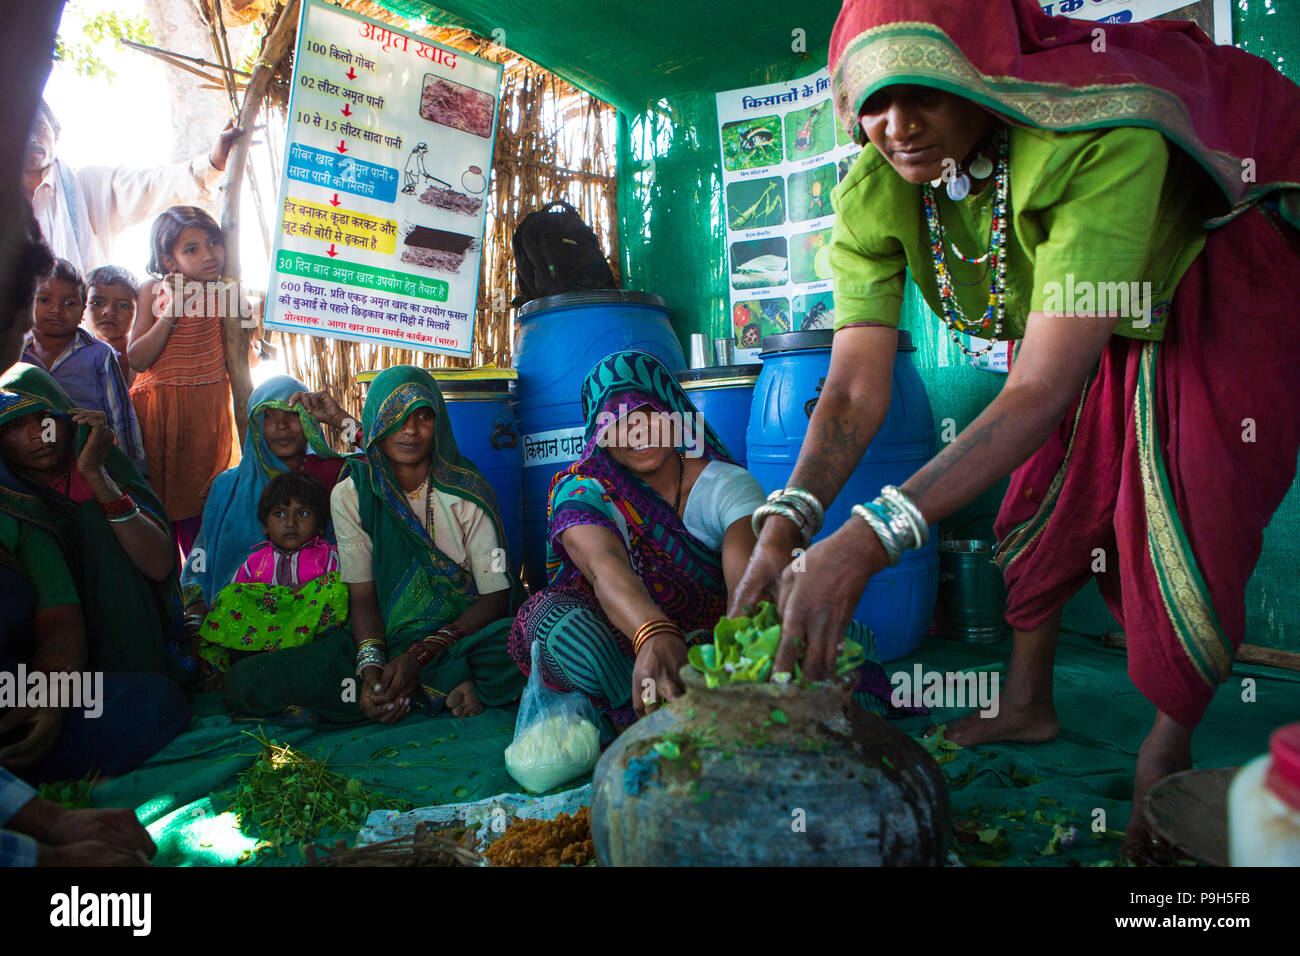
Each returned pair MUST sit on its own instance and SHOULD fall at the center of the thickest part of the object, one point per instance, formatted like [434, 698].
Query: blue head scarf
[230, 526]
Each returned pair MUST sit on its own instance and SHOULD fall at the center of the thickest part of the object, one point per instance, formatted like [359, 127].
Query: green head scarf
[129, 619]
[25, 390]
[409, 568]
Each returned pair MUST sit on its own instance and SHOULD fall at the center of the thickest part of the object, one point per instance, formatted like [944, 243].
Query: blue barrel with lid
[723, 395]
[483, 423]
[898, 603]
[558, 340]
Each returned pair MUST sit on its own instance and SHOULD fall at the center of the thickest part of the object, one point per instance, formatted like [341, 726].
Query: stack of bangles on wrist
[897, 522]
[652, 629]
[424, 651]
[799, 506]
[123, 509]
[371, 653]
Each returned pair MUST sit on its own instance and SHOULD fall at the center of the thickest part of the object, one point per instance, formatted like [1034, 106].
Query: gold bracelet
[651, 629]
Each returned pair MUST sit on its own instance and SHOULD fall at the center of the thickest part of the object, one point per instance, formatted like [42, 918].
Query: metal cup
[699, 351]
[724, 351]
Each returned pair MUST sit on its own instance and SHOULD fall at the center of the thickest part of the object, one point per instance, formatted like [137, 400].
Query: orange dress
[183, 404]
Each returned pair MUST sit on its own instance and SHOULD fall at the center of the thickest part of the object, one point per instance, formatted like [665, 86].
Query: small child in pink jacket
[288, 590]
[293, 511]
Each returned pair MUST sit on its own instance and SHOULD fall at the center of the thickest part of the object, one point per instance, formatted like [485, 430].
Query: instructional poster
[383, 198]
[782, 153]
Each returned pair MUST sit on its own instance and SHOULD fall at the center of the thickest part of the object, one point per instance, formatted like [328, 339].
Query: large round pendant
[959, 187]
[981, 167]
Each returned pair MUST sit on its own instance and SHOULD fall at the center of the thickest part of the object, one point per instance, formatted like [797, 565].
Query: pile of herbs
[289, 797]
[744, 649]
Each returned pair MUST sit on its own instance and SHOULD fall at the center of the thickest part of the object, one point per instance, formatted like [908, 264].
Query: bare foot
[1166, 750]
[1021, 718]
[463, 702]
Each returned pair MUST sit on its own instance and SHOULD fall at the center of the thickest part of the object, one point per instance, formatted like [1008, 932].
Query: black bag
[557, 252]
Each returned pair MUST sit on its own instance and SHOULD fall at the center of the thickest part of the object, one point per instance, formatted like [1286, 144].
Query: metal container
[972, 593]
[724, 352]
[699, 350]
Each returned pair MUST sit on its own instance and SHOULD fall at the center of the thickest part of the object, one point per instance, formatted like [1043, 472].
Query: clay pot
[832, 785]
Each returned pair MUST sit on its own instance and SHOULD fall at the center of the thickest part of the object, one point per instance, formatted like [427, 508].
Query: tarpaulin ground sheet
[1020, 800]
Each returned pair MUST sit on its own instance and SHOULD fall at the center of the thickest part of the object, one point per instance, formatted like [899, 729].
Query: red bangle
[421, 652]
[115, 509]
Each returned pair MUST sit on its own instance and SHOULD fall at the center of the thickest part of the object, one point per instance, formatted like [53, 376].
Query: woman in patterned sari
[1115, 198]
[431, 587]
[649, 530]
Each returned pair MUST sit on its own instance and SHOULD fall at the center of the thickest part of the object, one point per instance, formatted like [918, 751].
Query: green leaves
[744, 650]
[289, 797]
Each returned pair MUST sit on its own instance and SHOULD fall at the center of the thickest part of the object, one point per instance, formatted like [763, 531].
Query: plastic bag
[556, 738]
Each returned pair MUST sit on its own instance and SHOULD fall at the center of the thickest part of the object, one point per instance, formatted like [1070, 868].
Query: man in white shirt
[80, 211]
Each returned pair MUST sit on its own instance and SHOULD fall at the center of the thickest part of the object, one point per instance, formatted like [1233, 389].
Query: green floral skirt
[253, 617]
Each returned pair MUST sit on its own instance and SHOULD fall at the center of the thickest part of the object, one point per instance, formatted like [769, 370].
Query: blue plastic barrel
[558, 340]
[723, 395]
[483, 423]
[898, 603]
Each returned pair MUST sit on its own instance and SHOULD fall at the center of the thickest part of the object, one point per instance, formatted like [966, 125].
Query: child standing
[288, 590]
[110, 310]
[182, 395]
[84, 367]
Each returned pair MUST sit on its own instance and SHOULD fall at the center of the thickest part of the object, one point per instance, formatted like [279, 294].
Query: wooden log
[237, 338]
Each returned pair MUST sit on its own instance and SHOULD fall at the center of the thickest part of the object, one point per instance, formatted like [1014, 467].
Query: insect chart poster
[782, 153]
[383, 197]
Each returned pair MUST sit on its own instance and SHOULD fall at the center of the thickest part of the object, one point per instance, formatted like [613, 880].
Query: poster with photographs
[782, 154]
[383, 199]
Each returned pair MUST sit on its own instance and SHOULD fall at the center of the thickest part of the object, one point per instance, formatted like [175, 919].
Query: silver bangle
[370, 657]
[893, 548]
[764, 511]
[807, 497]
[899, 498]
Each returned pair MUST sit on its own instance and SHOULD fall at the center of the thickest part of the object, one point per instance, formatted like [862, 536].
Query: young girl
[182, 394]
[288, 590]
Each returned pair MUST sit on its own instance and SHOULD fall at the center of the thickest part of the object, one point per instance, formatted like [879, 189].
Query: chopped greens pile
[288, 797]
[744, 648]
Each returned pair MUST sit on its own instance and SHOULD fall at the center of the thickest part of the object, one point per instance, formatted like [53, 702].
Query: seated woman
[283, 436]
[86, 577]
[645, 545]
[288, 590]
[422, 550]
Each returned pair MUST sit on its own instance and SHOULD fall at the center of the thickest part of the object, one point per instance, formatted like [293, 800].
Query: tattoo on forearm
[973, 437]
[839, 453]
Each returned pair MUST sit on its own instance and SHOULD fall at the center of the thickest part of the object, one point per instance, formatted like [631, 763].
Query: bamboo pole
[237, 338]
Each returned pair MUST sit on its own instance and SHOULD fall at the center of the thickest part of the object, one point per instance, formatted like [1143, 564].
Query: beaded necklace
[995, 315]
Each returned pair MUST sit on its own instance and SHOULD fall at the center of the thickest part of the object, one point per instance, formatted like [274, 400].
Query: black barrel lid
[818, 339]
[568, 300]
[716, 373]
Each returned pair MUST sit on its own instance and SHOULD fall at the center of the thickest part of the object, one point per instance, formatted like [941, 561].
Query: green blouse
[1089, 210]
[42, 561]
